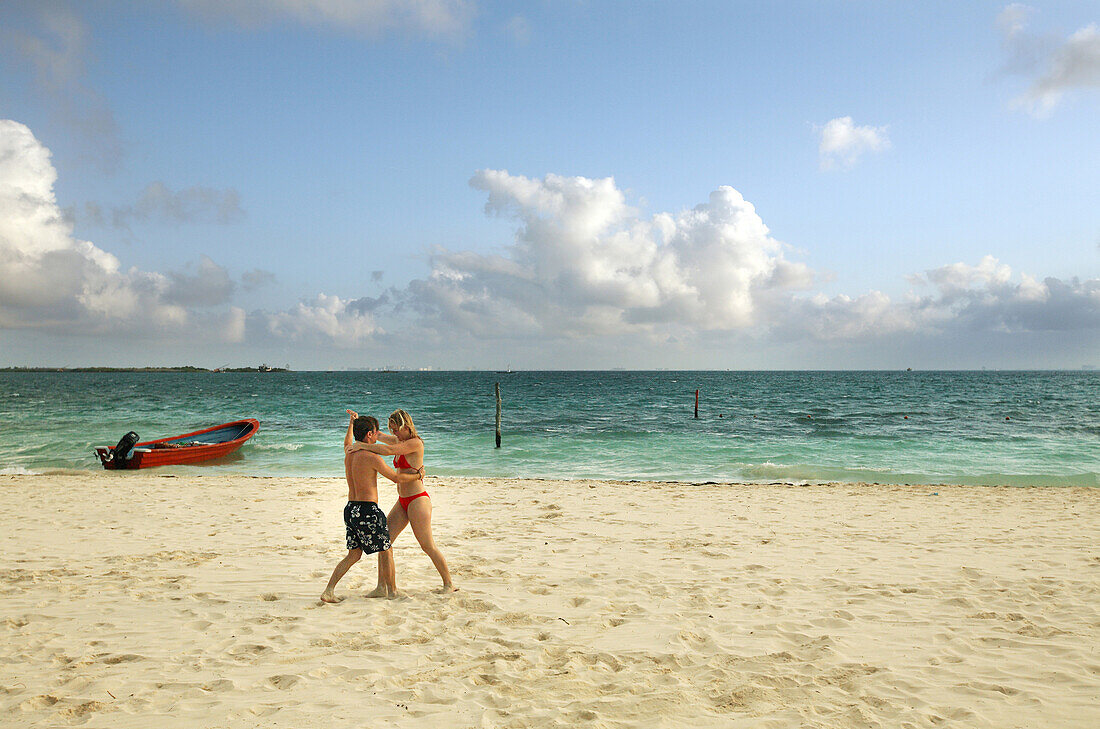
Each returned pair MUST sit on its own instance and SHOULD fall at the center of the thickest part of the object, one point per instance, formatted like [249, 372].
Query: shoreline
[166, 472]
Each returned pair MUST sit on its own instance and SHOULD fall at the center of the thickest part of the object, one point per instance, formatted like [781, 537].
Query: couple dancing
[368, 530]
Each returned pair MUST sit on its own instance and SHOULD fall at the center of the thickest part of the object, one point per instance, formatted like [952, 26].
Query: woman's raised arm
[400, 448]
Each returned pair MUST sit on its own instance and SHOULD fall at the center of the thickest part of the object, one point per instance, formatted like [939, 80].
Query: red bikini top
[401, 462]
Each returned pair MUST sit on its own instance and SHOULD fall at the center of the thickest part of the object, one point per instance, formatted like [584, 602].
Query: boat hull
[201, 445]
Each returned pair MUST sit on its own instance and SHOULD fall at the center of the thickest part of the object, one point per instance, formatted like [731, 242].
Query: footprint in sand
[220, 686]
[38, 702]
[248, 650]
[124, 658]
[476, 606]
[75, 712]
[283, 681]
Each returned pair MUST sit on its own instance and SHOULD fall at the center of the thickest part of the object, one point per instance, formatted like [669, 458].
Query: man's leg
[341, 569]
[387, 574]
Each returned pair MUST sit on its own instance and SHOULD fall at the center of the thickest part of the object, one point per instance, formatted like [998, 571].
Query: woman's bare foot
[330, 598]
[447, 589]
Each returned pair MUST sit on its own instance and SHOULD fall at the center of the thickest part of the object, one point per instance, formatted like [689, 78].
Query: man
[365, 523]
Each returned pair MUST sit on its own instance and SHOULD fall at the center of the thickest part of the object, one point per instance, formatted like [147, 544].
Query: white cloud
[584, 263]
[986, 297]
[1054, 65]
[432, 17]
[327, 318]
[208, 285]
[233, 326]
[585, 270]
[842, 143]
[51, 280]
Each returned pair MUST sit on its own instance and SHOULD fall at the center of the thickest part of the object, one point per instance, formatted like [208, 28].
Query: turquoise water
[1016, 428]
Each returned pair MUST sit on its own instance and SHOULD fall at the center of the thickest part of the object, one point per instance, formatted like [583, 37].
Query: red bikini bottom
[406, 500]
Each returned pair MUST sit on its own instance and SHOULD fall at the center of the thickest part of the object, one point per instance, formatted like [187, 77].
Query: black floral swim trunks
[366, 527]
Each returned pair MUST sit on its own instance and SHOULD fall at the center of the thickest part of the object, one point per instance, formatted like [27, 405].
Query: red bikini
[402, 462]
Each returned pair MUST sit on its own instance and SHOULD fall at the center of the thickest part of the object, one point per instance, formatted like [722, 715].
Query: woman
[414, 506]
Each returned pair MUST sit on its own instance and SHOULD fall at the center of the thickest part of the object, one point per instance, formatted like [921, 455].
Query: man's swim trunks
[366, 527]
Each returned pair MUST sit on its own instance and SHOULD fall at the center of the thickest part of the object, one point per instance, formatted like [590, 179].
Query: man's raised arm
[349, 437]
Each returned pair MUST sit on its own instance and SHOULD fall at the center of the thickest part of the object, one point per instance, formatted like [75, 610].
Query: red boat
[202, 445]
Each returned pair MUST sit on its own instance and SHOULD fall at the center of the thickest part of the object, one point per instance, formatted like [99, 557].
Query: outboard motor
[119, 452]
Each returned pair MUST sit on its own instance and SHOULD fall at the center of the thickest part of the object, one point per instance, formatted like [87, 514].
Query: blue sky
[473, 184]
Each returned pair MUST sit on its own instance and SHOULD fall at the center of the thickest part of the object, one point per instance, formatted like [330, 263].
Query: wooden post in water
[498, 415]
[696, 404]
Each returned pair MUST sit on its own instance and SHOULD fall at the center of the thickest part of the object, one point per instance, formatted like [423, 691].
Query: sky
[556, 184]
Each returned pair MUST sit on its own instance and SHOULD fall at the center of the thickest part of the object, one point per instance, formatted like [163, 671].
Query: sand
[135, 600]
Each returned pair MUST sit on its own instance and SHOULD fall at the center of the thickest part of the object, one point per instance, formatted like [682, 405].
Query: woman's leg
[420, 517]
[396, 521]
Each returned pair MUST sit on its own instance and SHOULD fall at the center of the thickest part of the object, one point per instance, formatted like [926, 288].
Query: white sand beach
[137, 600]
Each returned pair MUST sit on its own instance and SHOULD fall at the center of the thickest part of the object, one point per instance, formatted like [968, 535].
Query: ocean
[980, 428]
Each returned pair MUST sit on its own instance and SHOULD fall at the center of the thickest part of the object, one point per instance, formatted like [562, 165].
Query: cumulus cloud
[842, 143]
[53, 41]
[959, 297]
[584, 263]
[207, 285]
[584, 267]
[233, 325]
[1054, 65]
[990, 297]
[432, 17]
[51, 280]
[327, 319]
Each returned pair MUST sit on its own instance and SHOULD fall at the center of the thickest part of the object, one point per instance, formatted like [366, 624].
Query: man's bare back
[362, 477]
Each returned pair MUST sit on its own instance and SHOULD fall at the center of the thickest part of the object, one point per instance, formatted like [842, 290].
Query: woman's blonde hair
[401, 419]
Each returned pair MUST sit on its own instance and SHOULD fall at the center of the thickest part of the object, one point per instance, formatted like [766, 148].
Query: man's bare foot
[382, 591]
[330, 598]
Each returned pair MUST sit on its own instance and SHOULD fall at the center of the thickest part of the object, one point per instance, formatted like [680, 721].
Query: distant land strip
[262, 368]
